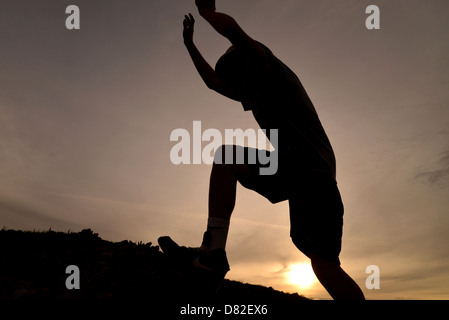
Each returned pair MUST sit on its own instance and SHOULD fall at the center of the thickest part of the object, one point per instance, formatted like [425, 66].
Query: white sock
[218, 231]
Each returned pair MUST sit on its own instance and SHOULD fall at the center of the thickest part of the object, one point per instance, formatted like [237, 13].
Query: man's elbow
[211, 85]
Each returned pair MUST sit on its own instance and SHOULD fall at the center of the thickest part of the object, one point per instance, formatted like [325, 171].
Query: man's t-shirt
[279, 101]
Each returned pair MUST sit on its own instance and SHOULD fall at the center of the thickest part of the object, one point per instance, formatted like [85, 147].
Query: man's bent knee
[230, 160]
[230, 154]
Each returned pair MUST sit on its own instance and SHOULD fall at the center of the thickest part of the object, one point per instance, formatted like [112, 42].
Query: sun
[301, 275]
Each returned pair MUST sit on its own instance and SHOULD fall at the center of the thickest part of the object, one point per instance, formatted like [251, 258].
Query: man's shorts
[316, 208]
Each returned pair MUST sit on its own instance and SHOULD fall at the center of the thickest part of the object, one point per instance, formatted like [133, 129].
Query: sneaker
[214, 261]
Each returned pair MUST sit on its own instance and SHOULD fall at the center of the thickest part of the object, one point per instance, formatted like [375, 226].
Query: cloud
[437, 177]
[20, 215]
[422, 279]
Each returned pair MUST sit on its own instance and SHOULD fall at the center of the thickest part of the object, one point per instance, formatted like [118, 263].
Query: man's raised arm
[227, 27]
[206, 72]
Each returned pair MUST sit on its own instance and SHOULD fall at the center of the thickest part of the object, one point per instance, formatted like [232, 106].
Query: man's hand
[189, 23]
[205, 5]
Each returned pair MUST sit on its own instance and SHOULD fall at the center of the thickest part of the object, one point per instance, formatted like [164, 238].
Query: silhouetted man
[249, 72]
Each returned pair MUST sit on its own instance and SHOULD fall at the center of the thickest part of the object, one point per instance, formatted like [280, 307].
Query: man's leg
[316, 215]
[335, 280]
[222, 194]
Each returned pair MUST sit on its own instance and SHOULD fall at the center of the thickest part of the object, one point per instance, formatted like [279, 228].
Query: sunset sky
[86, 117]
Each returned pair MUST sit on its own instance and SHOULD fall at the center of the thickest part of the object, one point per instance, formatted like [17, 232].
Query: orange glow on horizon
[301, 275]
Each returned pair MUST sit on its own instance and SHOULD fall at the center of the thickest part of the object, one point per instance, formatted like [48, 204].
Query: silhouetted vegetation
[33, 266]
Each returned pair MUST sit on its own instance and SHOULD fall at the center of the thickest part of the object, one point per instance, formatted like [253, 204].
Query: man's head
[232, 68]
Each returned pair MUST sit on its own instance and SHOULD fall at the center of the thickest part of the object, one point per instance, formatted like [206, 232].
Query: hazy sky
[86, 117]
